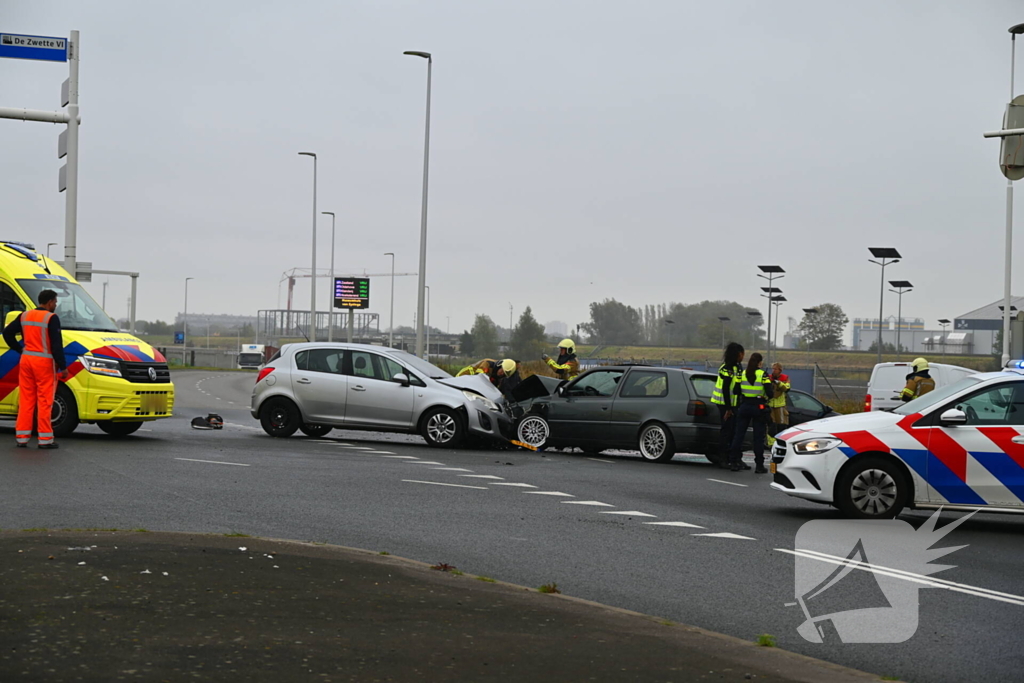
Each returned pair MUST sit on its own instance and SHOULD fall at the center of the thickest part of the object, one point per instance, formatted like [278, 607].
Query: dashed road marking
[550, 493]
[730, 483]
[482, 476]
[508, 483]
[610, 462]
[441, 483]
[594, 503]
[726, 534]
[425, 462]
[215, 462]
[685, 524]
[379, 452]
[631, 513]
[404, 457]
[450, 469]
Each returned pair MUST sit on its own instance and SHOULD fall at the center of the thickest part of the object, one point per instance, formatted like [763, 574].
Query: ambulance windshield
[937, 396]
[75, 308]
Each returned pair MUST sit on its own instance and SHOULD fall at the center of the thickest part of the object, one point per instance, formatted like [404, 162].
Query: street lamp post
[48, 245]
[391, 325]
[777, 301]
[770, 273]
[668, 324]
[943, 322]
[887, 256]
[330, 299]
[312, 294]
[184, 334]
[753, 337]
[723, 320]
[421, 295]
[902, 287]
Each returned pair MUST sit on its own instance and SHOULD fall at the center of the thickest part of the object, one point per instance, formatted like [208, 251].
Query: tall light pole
[886, 256]
[427, 288]
[668, 324]
[104, 304]
[753, 324]
[723, 320]
[777, 301]
[330, 299]
[770, 273]
[510, 326]
[184, 334]
[48, 245]
[391, 325]
[421, 295]
[902, 287]
[943, 322]
[312, 292]
[1013, 312]
[769, 293]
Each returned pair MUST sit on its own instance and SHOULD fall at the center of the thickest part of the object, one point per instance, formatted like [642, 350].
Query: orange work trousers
[37, 383]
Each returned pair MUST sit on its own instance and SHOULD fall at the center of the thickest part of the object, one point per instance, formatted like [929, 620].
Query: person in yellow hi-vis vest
[726, 397]
[756, 388]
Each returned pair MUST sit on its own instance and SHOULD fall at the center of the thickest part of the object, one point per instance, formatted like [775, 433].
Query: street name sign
[45, 48]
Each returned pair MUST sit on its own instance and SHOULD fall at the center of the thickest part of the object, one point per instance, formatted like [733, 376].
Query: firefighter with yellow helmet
[919, 382]
[566, 366]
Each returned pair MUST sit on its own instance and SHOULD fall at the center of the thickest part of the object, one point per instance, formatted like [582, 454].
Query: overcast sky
[649, 151]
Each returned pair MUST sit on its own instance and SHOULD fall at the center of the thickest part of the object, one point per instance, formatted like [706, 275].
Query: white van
[888, 379]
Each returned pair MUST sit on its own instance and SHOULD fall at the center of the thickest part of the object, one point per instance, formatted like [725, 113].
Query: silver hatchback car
[315, 387]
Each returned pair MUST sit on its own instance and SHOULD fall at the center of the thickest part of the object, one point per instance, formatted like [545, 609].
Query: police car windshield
[75, 308]
[938, 396]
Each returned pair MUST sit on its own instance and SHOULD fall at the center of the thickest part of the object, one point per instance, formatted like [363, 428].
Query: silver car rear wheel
[442, 427]
[534, 431]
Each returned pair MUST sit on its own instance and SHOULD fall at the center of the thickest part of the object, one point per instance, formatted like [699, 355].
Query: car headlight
[488, 403]
[813, 446]
[102, 366]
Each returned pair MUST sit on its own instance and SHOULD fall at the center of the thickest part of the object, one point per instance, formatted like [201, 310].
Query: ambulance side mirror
[953, 417]
[11, 317]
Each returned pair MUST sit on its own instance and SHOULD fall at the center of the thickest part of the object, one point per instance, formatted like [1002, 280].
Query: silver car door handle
[303, 380]
[1018, 439]
[358, 387]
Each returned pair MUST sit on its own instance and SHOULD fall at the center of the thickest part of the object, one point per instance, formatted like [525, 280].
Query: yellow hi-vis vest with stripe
[718, 396]
[754, 389]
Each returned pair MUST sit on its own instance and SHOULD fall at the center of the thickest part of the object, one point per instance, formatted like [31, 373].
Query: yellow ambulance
[115, 381]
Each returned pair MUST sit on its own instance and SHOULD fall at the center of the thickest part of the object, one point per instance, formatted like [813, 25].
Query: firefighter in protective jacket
[919, 382]
[566, 366]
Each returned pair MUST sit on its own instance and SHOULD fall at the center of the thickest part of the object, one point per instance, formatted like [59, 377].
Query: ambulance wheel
[280, 417]
[119, 428]
[872, 488]
[65, 412]
[315, 431]
[656, 443]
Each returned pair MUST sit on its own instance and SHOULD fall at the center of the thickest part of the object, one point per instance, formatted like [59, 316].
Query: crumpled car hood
[535, 386]
[478, 383]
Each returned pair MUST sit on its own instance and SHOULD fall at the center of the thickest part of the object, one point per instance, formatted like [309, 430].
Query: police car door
[982, 462]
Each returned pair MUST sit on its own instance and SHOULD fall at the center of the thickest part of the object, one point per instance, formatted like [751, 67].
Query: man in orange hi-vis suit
[42, 360]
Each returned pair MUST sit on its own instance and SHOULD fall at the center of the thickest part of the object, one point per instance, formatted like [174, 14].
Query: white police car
[960, 447]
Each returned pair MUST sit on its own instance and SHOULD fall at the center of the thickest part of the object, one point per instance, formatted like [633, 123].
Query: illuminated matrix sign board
[351, 292]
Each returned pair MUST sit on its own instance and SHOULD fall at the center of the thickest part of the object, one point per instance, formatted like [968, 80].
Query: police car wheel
[280, 417]
[65, 412]
[443, 428]
[533, 430]
[656, 443]
[119, 428]
[872, 488]
[315, 431]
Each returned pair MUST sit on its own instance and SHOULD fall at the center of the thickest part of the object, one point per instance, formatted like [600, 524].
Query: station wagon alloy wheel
[534, 431]
[656, 443]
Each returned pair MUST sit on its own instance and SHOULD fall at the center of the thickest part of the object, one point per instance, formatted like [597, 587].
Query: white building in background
[556, 328]
[977, 329]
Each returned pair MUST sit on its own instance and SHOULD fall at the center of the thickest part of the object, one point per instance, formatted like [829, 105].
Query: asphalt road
[596, 526]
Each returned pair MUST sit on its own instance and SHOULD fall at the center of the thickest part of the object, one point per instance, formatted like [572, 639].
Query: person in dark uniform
[756, 389]
[726, 397]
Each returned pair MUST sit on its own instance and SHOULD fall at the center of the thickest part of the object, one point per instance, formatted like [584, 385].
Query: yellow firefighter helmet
[920, 364]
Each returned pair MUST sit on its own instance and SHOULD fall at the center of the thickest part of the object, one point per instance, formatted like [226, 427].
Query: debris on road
[211, 421]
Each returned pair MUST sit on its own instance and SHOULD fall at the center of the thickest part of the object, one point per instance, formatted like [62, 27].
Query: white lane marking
[424, 462]
[726, 534]
[686, 524]
[441, 483]
[928, 581]
[631, 513]
[507, 483]
[550, 493]
[730, 483]
[482, 476]
[610, 462]
[450, 469]
[595, 503]
[215, 462]
[145, 430]
[408, 457]
[379, 452]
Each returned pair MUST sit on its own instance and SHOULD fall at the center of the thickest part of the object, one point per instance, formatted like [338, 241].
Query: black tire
[443, 428]
[280, 417]
[655, 443]
[119, 428]
[872, 487]
[533, 430]
[315, 431]
[65, 412]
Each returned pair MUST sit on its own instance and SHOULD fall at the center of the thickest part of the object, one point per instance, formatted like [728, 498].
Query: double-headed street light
[421, 295]
[723, 320]
[330, 299]
[391, 325]
[887, 256]
[943, 322]
[312, 293]
[770, 273]
[776, 301]
[901, 288]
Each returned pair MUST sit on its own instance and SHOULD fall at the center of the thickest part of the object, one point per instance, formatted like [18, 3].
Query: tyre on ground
[119, 428]
[280, 417]
[872, 487]
[443, 428]
[655, 443]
